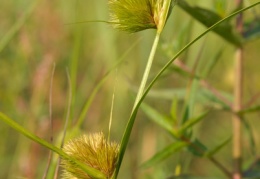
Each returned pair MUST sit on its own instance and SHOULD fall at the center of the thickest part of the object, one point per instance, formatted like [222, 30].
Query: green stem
[140, 92]
[237, 119]
[135, 110]
[147, 69]
[237, 106]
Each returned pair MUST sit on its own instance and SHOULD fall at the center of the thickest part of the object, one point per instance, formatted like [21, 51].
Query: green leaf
[212, 152]
[249, 132]
[158, 118]
[189, 123]
[89, 170]
[210, 97]
[208, 18]
[197, 148]
[250, 110]
[165, 153]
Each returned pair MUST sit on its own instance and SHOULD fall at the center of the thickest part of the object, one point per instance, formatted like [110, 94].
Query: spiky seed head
[93, 150]
[137, 15]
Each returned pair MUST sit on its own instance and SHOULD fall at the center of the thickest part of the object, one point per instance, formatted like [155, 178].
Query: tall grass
[184, 122]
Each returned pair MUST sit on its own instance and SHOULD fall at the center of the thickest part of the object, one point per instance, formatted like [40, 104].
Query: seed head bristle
[93, 150]
[137, 15]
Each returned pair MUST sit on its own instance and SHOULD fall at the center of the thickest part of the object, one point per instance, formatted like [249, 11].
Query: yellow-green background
[88, 51]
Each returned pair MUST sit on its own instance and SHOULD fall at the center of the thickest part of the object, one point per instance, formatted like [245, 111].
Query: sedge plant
[134, 16]
[131, 16]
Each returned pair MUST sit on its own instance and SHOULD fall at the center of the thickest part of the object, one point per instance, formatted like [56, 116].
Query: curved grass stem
[144, 93]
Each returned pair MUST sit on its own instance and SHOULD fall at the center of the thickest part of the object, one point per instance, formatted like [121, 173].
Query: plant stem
[237, 119]
[147, 69]
[238, 93]
[131, 121]
[140, 92]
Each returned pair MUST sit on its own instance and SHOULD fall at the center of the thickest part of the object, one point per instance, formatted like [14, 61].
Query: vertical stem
[237, 135]
[140, 92]
[238, 93]
[147, 69]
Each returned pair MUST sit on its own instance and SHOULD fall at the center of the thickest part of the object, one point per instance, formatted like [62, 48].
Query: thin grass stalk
[237, 106]
[51, 123]
[237, 118]
[140, 92]
[65, 125]
[79, 122]
[161, 23]
[74, 68]
[147, 69]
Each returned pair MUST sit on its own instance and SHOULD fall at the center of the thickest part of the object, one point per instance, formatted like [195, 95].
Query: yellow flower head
[93, 150]
[137, 15]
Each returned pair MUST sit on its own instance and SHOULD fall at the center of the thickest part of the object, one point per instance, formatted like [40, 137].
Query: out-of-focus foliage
[33, 43]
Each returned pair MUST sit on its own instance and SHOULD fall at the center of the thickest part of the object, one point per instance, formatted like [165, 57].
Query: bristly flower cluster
[93, 150]
[137, 15]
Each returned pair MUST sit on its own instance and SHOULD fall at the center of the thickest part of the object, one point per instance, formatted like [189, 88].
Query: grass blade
[165, 153]
[158, 118]
[212, 152]
[90, 171]
[189, 123]
[208, 18]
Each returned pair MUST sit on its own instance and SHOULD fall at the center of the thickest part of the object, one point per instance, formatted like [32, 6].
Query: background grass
[89, 50]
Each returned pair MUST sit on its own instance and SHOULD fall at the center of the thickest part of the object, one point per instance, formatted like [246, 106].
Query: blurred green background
[30, 47]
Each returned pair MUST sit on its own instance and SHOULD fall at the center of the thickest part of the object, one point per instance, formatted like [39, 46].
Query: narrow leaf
[165, 153]
[250, 110]
[157, 117]
[208, 18]
[197, 148]
[190, 122]
[89, 170]
[252, 141]
[212, 152]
